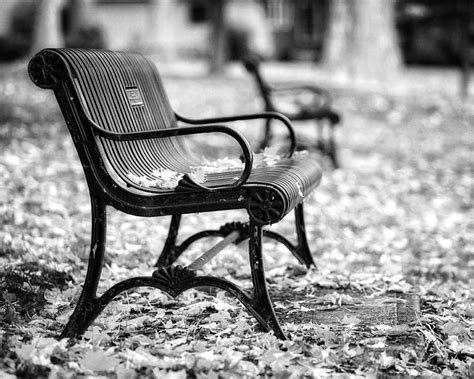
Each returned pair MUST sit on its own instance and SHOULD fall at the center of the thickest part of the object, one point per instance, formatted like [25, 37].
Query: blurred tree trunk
[218, 36]
[162, 33]
[341, 27]
[80, 14]
[362, 40]
[464, 15]
[239, 27]
[47, 30]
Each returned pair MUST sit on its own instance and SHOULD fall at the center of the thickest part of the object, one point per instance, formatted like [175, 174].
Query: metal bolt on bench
[121, 122]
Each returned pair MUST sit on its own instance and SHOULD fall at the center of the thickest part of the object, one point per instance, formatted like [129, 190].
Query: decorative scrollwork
[173, 276]
[46, 69]
[266, 206]
[242, 228]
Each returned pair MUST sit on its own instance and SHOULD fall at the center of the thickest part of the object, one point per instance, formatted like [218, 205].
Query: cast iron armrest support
[251, 116]
[182, 131]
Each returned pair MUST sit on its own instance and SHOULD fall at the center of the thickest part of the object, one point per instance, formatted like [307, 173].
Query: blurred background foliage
[363, 40]
[433, 32]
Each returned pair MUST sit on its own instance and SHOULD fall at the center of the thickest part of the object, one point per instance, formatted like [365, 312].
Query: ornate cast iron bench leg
[301, 251]
[171, 251]
[88, 307]
[262, 305]
[171, 279]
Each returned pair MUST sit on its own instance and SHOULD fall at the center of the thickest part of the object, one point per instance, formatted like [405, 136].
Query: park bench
[123, 127]
[298, 102]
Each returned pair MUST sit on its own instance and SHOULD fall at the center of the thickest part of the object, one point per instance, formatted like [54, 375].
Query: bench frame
[49, 70]
[321, 112]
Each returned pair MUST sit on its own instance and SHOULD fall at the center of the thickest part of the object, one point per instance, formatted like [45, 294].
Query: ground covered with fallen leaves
[390, 232]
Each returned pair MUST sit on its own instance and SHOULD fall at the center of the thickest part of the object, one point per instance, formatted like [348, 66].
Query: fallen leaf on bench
[258, 160]
[167, 178]
[300, 192]
[219, 165]
[164, 178]
[198, 175]
[142, 181]
[270, 155]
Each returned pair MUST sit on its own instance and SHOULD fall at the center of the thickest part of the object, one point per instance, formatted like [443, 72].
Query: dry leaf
[98, 361]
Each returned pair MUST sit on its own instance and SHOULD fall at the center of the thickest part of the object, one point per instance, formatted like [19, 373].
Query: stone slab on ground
[393, 309]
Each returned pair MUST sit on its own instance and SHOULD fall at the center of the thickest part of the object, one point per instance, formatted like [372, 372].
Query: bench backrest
[123, 92]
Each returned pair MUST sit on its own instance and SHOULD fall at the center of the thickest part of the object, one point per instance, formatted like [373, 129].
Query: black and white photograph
[236, 189]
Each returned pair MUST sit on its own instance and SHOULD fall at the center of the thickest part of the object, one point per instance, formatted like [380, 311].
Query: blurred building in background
[429, 30]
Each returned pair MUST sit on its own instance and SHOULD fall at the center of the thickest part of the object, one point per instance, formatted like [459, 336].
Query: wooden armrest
[182, 131]
[251, 116]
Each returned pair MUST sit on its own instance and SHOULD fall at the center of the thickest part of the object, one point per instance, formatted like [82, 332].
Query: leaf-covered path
[391, 225]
